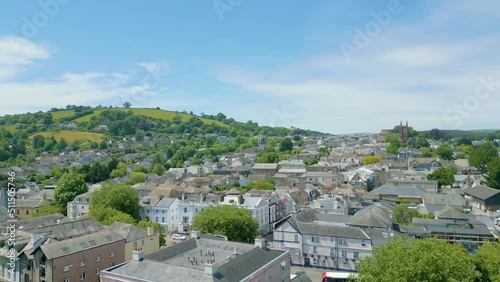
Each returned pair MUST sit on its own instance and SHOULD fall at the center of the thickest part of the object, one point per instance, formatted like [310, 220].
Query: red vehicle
[338, 276]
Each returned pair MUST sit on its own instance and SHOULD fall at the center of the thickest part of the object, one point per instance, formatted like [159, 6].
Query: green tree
[137, 177]
[127, 105]
[393, 147]
[108, 215]
[286, 145]
[122, 198]
[62, 144]
[444, 175]
[488, 261]
[371, 160]
[141, 168]
[492, 174]
[158, 169]
[445, 152]
[421, 142]
[157, 227]
[268, 157]
[228, 220]
[46, 210]
[261, 185]
[482, 155]
[430, 260]
[67, 188]
[120, 171]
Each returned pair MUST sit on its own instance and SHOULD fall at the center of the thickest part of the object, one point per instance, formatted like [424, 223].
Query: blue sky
[333, 66]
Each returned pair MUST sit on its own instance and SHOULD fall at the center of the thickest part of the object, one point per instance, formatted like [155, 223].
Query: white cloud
[16, 53]
[155, 68]
[420, 56]
[418, 82]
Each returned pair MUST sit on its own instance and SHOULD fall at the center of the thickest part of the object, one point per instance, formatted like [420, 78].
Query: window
[163, 211]
[156, 219]
[363, 243]
[83, 263]
[332, 252]
[315, 250]
[296, 238]
[344, 254]
[356, 255]
[315, 261]
[83, 276]
[66, 280]
[315, 239]
[185, 219]
[342, 241]
[283, 266]
[112, 254]
[112, 264]
[66, 268]
[27, 211]
[135, 244]
[185, 210]
[97, 271]
[98, 259]
[163, 219]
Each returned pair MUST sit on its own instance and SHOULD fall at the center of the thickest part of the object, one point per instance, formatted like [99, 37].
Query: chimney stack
[195, 234]
[151, 231]
[260, 242]
[138, 255]
[211, 267]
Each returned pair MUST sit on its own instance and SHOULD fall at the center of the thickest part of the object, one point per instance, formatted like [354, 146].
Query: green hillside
[152, 113]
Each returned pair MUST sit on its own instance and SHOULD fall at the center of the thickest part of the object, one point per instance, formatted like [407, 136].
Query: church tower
[403, 132]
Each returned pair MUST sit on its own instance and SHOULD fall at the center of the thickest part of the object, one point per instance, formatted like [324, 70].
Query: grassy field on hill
[71, 135]
[11, 128]
[153, 113]
[62, 114]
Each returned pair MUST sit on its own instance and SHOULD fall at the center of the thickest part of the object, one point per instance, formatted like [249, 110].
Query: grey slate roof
[69, 229]
[398, 191]
[70, 246]
[172, 251]
[481, 192]
[41, 221]
[245, 264]
[236, 261]
[130, 232]
[372, 216]
[328, 230]
[306, 215]
[450, 213]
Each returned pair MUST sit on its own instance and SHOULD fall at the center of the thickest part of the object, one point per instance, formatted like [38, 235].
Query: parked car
[178, 237]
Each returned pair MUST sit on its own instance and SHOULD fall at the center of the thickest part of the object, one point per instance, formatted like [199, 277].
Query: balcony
[43, 263]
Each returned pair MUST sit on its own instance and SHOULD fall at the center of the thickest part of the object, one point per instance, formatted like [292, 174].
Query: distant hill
[152, 113]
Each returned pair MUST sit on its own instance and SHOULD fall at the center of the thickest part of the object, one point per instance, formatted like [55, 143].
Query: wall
[89, 256]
